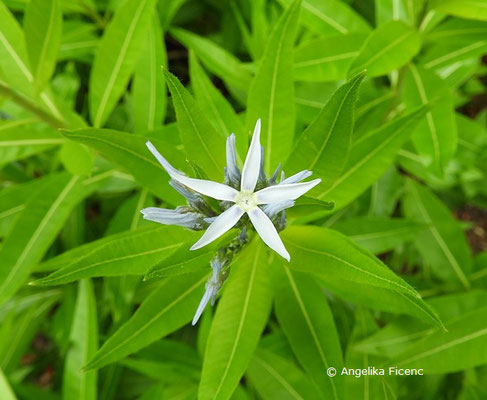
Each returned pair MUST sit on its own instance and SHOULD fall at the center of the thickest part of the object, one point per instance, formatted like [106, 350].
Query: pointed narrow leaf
[470, 9]
[276, 378]
[203, 144]
[463, 346]
[389, 47]
[305, 317]
[167, 309]
[35, 229]
[271, 95]
[435, 136]
[217, 108]
[130, 153]
[6, 391]
[323, 147]
[370, 156]
[149, 90]
[43, 25]
[337, 260]
[237, 325]
[218, 60]
[330, 17]
[133, 255]
[117, 56]
[83, 345]
[443, 245]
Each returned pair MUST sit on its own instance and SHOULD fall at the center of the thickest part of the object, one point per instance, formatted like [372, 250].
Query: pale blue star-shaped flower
[246, 200]
[261, 206]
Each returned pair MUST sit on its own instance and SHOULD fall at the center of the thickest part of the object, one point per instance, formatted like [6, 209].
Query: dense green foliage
[384, 100]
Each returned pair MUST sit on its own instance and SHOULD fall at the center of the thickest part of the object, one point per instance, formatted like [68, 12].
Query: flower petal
[266, 230]
[216, 190]
[222, 223]
[297, 177]
[164, 216]
[204, 301]
[251, 168]
[278, 193]
[231, 155]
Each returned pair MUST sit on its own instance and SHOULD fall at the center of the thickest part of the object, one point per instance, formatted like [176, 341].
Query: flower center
[246, 201]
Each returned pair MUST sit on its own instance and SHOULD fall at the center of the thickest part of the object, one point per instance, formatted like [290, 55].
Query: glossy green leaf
[165, 310]
[323, 147]
[390, 10]
[43, 26]
[83, 345]
[305, 317]
[471, 9]
[462, 346]
[370, 156]
[379, 235]
[272, 91]
[328, 58]
[435, 136]
[337, 260]
[216, 107]
[35, 229]
[218, 60]
[445, 55]
[78, 42]
[116, 57]
[276, 378]
[237, 325]
[330, 17]
[149, 89]
[14, 61]
[443, 245]
[389, 47]
[134, 254]
[130, 153]
[204, 145]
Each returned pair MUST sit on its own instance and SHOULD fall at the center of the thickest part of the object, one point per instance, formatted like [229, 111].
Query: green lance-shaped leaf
[370, 156]
[167, 309]
[379, 235]
[340, 263]
[6, 391]
[21, 139]
[463, 346]
[203, 144]
[326, 59]
[43, 25]
[323, 147]
[330, 17]
[116, 57]
[237, 325]
[35, 229]
[435, 136]
[134, 254]
[83, 345]
[305, 317]
[271, 95]
[443, 245]
[217, 108]
[149, 97]
[470, 9]
[130, 153]
[14, 63]
[218, 60]
[390, 10]
[277, 378]
[389, 47]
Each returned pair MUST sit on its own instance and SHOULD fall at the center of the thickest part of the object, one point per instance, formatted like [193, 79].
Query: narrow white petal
[216, 190]
[278, 193]
[251, 168]
[266, 230]
[219, 226]
[297, 177]
[201, 307]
